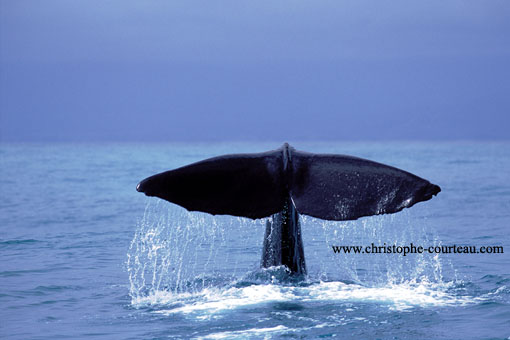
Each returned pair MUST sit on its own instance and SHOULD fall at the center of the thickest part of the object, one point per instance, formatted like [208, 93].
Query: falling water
[178, 251]
[374, 269]
[177, 255]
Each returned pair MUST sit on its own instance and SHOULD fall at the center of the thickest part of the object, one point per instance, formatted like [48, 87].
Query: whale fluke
[330, 187]
[284, 183]
[246, 185]
[339, 187]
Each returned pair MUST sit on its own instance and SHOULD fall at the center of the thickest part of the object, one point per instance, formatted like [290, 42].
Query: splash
[215, 302]
[374, 269]
[177, 251]
[202, 266]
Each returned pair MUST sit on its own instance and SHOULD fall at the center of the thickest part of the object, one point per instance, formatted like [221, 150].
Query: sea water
[83, 255]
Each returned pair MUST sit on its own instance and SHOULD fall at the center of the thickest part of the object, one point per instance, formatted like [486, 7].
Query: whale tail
[330, 187]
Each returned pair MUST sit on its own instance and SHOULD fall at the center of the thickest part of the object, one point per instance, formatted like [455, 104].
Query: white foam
[397, 296]
[213, 302]
[267, 332]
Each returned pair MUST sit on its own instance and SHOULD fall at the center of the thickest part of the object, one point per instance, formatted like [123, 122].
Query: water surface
[86, 256]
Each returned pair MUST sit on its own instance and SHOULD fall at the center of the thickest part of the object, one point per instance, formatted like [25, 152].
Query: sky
[165, 71]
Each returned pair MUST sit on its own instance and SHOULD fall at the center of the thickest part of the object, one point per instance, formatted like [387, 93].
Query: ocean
[85, 256]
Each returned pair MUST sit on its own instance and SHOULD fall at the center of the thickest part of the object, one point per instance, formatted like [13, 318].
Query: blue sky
[254, 70]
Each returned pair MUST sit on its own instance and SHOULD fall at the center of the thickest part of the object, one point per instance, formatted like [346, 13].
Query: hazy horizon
[157, 71]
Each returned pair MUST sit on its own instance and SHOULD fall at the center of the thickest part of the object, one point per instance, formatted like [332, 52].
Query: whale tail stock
[326, 186]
